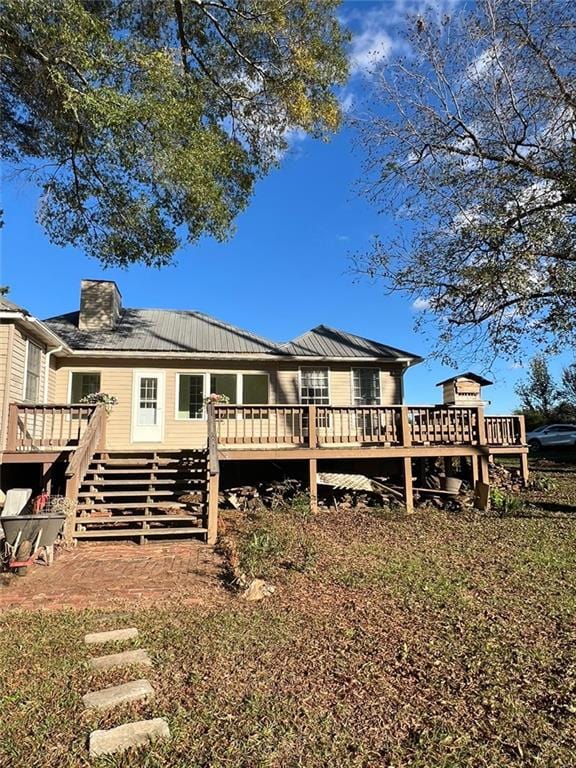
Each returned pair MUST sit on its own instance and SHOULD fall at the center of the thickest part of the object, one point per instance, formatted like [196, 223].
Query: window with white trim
[239, 388]
[83, 383]
[191, 395]
[32, 374]
[366, 386]
[314, 386]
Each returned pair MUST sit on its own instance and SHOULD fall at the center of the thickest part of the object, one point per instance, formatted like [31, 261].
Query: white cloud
[420, 304]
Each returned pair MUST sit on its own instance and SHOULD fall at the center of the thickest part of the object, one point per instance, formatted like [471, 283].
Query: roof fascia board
[43, 331]
[123, 353]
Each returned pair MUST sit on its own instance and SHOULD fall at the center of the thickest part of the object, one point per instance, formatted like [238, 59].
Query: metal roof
[162, 330]
[183, 331]
[468, 375]
[323, 341]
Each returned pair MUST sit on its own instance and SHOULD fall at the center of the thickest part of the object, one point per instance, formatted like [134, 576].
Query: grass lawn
[433, 641]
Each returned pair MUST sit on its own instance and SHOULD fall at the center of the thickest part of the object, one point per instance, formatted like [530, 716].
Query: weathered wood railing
[505, 430]
[44, 427]
[93, 439]
[396, 425]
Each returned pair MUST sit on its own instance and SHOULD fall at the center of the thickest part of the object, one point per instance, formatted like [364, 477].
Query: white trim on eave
[122, 353]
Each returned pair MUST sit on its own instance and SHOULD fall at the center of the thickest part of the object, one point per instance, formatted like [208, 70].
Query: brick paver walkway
[108, 575]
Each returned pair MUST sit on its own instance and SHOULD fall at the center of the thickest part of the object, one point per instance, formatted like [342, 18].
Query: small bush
[505, 504]
[260, 550]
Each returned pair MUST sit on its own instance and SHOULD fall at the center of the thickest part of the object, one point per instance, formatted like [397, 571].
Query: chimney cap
[468, 375]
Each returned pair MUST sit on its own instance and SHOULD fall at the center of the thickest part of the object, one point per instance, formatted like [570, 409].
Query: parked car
[551, 435]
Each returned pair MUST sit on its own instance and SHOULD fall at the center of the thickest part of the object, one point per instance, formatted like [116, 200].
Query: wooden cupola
[464, 389]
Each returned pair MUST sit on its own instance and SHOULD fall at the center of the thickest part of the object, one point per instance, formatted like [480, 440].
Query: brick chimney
[100, 305]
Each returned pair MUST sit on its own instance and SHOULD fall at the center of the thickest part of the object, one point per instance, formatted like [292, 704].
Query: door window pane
[148, 405]
[190, 396]
[314, 386]
[224, 384]
[84, 384]
[366, 384]
[255, 389]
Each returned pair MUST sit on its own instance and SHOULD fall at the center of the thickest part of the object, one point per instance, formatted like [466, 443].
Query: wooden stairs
[136, 495]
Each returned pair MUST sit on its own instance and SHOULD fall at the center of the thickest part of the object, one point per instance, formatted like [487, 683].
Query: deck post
[483, 460]
[312, 438]
[406, 434]
[524, 471]
[475, 470]
[481, 426]
[71, 492]
[408, 485]
[12, 434]
[313, 470]
[213, 491]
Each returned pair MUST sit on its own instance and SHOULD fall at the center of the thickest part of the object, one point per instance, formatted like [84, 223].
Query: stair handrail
[93, 439]
[213, 461]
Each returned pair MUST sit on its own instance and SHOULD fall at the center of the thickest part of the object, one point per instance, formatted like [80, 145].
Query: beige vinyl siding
[4, 379]
[117, 379]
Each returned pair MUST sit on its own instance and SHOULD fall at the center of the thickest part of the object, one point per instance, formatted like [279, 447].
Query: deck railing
[46, 427]
[396, 425]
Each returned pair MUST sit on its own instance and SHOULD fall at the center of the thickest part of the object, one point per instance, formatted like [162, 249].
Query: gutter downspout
[47, 357]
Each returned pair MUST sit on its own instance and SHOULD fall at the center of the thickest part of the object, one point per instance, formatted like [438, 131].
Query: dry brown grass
[433, 641]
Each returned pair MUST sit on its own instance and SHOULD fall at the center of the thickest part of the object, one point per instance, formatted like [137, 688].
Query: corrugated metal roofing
[329, 342]
[161, 330]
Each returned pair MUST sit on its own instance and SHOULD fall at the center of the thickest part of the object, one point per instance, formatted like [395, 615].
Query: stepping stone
[124, 659]
[113, 634]
[130, 735]
[118, 694]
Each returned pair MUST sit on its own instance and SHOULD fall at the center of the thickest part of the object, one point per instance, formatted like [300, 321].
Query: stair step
[136, 462]
[144, 470]
[101, 494]
[134, 532]
[134, 519]
[141, 481]
[132, 505]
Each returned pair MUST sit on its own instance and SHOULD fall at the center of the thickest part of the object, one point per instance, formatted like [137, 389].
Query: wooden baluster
[312, 437]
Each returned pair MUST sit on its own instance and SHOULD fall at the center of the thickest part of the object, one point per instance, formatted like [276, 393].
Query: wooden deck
[74, 433]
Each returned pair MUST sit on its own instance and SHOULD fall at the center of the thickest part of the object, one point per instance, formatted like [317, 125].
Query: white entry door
[148, 407]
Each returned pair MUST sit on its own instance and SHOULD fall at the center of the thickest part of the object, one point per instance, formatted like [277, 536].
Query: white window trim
[25, 381]
[363, 368]
[315, 368]
[79, 370]
[206, 387]
[205, 384]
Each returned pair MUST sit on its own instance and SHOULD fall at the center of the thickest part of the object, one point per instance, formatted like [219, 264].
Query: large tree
[145, 121]
[471, 147]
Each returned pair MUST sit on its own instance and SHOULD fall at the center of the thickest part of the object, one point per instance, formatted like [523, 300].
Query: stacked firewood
[249, 497]
[500, 477]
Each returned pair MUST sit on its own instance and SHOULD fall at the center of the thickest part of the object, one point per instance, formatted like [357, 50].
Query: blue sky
[286, 268]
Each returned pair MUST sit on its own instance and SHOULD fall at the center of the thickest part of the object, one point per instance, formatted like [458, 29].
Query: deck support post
[475, 470]
[408, 485]
[313, 471]
[213, 491]
[483, 461]
[524, 471]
